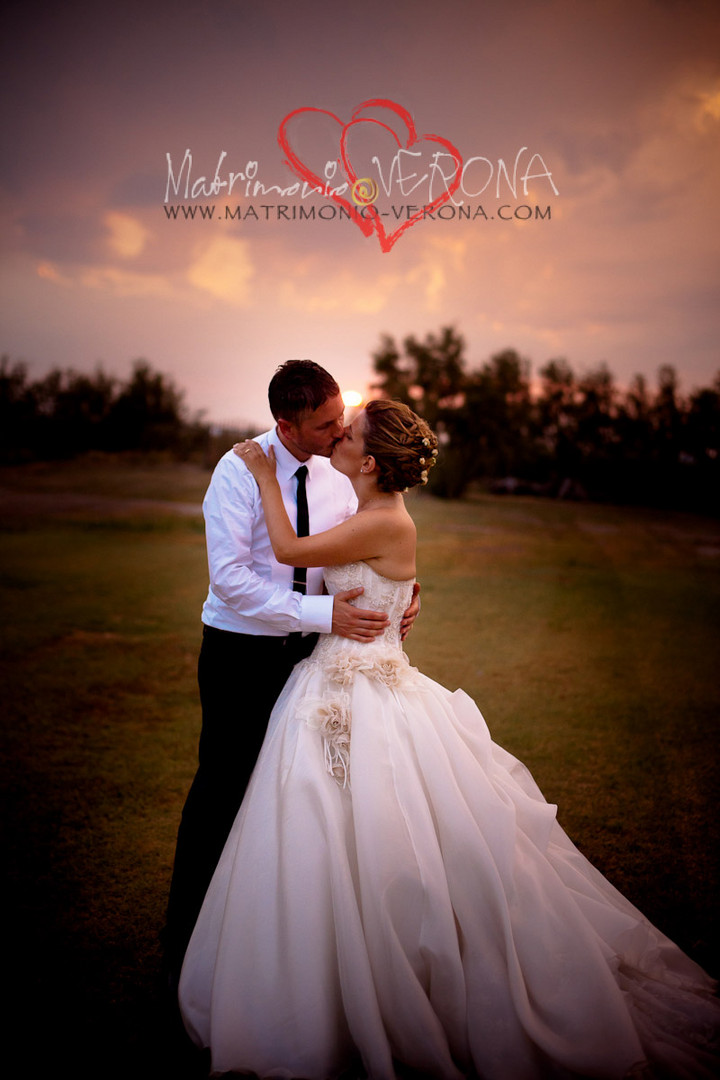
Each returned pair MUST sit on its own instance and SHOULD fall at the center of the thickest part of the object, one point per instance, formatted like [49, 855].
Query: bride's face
[349, 453]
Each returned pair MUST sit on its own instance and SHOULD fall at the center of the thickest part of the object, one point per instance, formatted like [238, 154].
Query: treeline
[67, 413]
[560, 434]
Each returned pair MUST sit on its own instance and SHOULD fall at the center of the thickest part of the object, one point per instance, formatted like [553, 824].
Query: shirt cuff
[316, 614]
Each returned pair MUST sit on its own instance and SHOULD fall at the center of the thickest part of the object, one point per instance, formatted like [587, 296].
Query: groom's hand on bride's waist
[353, 622]
[412, 612]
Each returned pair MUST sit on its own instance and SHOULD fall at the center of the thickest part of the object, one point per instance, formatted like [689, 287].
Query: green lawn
[588, 635]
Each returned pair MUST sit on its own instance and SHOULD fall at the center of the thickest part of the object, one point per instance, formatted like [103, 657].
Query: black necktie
[303, 526]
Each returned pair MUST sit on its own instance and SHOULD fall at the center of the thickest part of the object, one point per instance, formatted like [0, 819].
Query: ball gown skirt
[396, 894]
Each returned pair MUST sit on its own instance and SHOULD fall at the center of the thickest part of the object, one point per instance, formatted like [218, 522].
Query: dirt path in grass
[15, 503]
[702, 534]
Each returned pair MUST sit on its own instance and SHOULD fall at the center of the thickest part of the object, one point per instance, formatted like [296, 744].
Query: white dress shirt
[250, 592]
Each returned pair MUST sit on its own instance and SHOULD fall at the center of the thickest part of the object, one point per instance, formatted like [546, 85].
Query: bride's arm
[363, 536]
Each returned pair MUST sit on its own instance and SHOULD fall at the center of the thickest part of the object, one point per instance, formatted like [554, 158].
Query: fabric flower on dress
[391, 668]
[331, 717]
[388, 670]
[330, 714]
[341, 669]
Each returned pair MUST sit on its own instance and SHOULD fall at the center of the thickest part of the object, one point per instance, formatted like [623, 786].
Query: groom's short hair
[299, 387]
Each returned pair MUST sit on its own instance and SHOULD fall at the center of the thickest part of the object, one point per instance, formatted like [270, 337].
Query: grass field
[588, 635]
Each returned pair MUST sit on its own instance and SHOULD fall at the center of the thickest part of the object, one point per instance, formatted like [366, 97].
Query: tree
[667, 415]
[148, 414]
[497, 415]
[395, 381]
[72, 412]
[484, 419]
[67, 413]
[17, 411]
[437, 372]
[429, 377]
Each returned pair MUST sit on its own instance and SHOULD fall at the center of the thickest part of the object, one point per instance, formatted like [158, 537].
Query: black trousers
[240, 677]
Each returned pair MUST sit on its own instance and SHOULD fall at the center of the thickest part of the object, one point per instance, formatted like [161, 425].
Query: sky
[582, 137]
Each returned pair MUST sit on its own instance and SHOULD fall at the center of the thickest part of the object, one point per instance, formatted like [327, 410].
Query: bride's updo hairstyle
[402, 444]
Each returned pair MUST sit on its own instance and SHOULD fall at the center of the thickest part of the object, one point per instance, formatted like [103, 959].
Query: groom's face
[315, 432]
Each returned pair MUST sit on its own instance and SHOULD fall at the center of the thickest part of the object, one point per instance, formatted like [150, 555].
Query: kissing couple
[365, 883]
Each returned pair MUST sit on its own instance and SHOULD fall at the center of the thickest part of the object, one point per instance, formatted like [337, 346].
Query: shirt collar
[287, 463]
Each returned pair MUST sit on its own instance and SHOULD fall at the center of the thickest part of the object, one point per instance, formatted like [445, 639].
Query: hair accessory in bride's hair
[401, 442]
[426, 463]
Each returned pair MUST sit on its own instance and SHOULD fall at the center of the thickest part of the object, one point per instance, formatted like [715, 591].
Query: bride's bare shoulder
[394, 518]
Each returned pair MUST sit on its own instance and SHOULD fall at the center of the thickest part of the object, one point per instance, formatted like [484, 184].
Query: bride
[396, 894]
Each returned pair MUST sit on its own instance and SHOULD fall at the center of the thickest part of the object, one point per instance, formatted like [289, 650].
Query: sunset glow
[154, 211]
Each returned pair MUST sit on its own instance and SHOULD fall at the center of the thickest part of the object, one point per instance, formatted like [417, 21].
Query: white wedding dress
[396, 894]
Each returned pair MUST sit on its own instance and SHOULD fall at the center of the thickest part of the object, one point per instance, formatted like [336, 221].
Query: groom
[258, 622]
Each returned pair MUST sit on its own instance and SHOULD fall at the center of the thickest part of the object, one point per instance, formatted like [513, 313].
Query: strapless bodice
[380, 594]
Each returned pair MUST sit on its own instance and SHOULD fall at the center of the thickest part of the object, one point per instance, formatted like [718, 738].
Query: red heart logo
[306, 173]
[370, 219]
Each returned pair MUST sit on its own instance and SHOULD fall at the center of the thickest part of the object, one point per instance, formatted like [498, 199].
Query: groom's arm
[232, 509]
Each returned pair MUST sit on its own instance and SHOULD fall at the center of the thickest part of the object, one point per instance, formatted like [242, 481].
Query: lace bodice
[380, 594]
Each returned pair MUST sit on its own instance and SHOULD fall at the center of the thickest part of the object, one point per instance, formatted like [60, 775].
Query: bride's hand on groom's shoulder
[261, 465]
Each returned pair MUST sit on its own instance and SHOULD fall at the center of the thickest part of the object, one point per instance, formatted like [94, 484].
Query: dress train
[397, 894]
